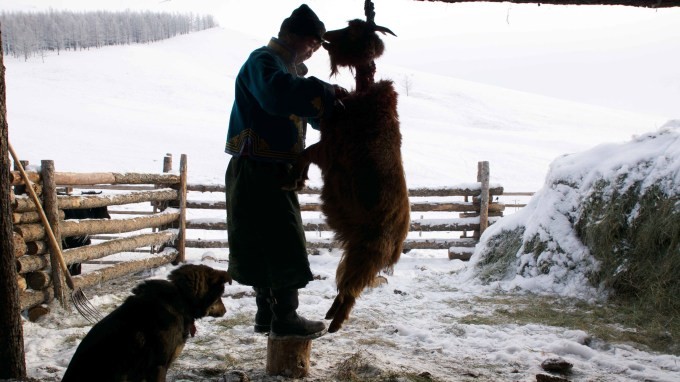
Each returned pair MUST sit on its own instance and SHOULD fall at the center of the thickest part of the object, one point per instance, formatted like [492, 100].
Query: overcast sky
[620, 57]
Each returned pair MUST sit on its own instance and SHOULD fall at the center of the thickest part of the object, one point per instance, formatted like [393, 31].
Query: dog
[140, 339]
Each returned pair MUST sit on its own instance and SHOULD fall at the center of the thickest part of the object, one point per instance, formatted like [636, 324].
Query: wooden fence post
[483, 178]
[167, 167]
[51, 208]
[12, 354]
[181, 238]
[167, 162]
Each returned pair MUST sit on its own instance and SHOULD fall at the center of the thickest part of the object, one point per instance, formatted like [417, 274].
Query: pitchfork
[79, 299]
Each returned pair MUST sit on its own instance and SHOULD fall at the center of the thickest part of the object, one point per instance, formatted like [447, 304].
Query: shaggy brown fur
[364, 196]
[141, 338]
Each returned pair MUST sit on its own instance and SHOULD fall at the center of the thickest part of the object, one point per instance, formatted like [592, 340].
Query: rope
[369, 11]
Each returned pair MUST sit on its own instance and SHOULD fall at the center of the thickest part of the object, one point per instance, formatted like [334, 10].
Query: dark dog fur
[141, 338]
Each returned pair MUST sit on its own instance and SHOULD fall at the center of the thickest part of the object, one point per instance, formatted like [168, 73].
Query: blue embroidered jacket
[272, 105]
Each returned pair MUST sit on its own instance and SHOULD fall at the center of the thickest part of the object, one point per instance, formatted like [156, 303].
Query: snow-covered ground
[122, 108]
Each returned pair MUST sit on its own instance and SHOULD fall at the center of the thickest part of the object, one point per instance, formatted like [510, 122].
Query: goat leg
[298, 173]
[339, 311]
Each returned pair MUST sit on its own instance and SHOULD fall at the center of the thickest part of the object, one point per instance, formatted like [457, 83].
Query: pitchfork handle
[54, 245]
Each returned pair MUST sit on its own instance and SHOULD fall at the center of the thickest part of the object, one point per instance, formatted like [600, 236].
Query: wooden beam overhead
[630, 3]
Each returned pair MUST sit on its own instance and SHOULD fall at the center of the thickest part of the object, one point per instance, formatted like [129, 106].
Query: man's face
[308, 45]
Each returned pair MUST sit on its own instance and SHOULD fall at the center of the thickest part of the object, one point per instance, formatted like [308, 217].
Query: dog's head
[203, 287]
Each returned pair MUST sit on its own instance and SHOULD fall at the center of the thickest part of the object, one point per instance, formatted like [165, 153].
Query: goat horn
[384, 30]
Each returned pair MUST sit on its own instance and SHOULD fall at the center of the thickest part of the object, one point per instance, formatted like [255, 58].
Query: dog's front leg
[158, 374]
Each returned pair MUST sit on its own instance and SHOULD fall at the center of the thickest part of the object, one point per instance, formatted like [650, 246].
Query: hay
[635, 235]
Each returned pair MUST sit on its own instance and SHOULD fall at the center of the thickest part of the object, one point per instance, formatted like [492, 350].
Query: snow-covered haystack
[606, 223]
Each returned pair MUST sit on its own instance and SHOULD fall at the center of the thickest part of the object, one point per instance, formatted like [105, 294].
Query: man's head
[303, 32]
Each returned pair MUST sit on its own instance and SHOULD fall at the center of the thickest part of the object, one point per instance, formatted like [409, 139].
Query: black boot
[263, 317]
[287, 322]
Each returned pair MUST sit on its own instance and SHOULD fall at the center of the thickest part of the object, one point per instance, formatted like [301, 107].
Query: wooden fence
[152, 228]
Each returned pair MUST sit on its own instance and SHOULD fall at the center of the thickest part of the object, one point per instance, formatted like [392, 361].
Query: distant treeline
[25, 34]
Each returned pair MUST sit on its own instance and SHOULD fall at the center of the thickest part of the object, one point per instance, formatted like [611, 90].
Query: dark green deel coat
[267, 131]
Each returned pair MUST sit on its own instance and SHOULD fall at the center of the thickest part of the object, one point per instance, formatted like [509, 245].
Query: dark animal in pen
[364, 194]
[81, 241]
[140, 339]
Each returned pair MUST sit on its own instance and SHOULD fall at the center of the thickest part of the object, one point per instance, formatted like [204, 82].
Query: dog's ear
[222, 277]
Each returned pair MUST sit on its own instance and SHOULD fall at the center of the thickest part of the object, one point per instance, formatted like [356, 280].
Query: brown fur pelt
[141, 338]
[364, 195]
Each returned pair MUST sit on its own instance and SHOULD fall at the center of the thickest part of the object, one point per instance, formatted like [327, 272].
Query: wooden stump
[288, 356]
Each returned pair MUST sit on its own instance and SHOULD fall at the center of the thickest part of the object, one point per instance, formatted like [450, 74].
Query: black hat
[304, 22]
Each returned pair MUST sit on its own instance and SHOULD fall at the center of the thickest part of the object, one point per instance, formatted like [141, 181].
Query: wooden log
[118, 187]
[93, 201]
[125, 268]
[483, 177]
[329, 243]
[415, 206]
[37, 311]
[51, 211]
[454, 191]
[206, 187]
[81, 179]
[181, 238]
[38, 280]
[321, 225]
[208, 205]
[33, 232]
[30, 263]
[629, 3]
[30, 298]
[23, 204]
[140, 213]
[97, 251]
[30, 217]
[16, 179]
[288, 356]
[167, 163]
[21, 283]
[518, 193]
[36, 247]
[20, 247]
[463, 254]
[199, 243]
[20, 189]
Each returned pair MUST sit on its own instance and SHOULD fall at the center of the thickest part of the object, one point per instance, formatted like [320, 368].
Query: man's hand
[340, 92]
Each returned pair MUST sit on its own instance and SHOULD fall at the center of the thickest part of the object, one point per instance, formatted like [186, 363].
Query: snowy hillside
[123, 108]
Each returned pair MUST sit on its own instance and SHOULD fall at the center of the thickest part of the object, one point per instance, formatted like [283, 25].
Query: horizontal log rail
[415, 206]
[30, 263]
[125, 268]
[30, 298]
[94, 201]
[127, 244]
[472, 190]
[455, 224]
[316, 243]
[30, 217]
[118, 187]
[94, 178]
[33, 232]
